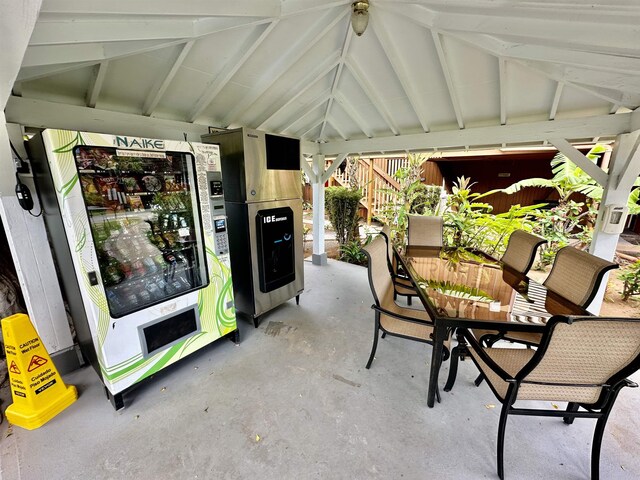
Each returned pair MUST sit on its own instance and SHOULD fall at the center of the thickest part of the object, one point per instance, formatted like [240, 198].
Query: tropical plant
[342, 206]
[427, 199]
[351, 252]
[469, 224]
[570, 220]
[631, 278]
[411, 197]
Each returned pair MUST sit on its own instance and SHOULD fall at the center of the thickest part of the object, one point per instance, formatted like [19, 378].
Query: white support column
[31, 254]
[319, 255]
[625, 162]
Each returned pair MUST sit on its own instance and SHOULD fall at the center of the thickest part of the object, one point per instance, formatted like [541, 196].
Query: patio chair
[424, 231]
[402, 284]
[576, 275]
[583, 361]
[521, 251]
[391, 318]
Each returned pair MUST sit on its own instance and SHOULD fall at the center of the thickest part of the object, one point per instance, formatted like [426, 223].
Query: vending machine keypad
[221, 240]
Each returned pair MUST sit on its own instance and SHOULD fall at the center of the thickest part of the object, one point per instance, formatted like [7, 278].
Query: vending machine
[141, 245]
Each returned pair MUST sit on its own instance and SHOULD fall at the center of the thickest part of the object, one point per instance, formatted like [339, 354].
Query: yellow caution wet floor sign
[38, 392]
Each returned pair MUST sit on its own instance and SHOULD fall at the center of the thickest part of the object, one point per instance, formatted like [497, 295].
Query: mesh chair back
[386, 232]
[379, 277]
[580, 355]
[521, 250]
[424, 231]
[576, 275]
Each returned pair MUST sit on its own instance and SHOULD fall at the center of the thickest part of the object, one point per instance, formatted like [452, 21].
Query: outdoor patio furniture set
[559, 352]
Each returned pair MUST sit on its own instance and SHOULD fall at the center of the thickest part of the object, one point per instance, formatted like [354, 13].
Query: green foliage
[351, 252]
[427, 199]
[567, 178]
[560, 226]
[469, 224]
[342, 206]
[631, 278]
[412, 197]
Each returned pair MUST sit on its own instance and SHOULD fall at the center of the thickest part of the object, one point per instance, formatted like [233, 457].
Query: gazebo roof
[426, 71]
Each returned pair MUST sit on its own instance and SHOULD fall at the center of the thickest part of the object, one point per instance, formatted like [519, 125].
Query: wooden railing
[375, 178]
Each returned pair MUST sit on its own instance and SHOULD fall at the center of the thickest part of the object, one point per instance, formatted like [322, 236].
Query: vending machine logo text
[137, 142]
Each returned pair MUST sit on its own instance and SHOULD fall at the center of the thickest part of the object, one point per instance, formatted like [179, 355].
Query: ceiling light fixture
[360, 16]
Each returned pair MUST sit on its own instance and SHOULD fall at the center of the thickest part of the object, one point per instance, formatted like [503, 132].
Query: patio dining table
[466, 289]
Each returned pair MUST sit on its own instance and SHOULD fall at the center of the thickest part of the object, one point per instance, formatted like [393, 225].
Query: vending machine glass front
[145, 223]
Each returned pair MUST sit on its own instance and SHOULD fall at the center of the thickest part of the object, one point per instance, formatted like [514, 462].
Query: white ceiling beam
[285, 60]
[35, 73]
[336, 77]
[39, 113]
[334, 124]
[306, 111]
[611, 81]
[236, 8]
[629, 173]
[513, 133]
[70, 31]
[313, 77]
[96, 82]
[622, 11]
[333, 167]
[372, 93]
[502, 74]
[558, 74]
[614, 38]
[79, 31]
[588, 60]
[308, 131]
[42, 55]
[444, 65]
[352, 112]
[158, 90]
[114, 50]
[578, 158]
[556, 101]
[401, 71]
[308, 170]
[230, 69]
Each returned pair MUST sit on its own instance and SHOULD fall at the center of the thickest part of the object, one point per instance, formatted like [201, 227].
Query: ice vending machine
[263, 199]
[142, 252]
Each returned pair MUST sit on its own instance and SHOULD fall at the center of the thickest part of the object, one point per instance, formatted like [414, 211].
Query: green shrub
[351, 252]
[631, 278]
[342, 205]
[426, 199]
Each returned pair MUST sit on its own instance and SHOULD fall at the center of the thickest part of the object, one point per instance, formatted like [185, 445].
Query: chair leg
[384, 334]
[438, 394]
[375, 340]
[599, 431]
[453, 369]
[478, 380]
[571, 407]
[502, 425]
[408, 299]
[395, 296]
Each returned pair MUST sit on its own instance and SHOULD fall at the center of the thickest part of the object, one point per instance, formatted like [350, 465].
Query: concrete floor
[294, 401]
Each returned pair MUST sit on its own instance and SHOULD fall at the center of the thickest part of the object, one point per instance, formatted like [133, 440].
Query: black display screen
[282, 153]
[276, 254]
[220, 225]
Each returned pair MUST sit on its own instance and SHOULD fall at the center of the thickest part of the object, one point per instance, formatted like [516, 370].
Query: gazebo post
[319, 256]
[623, 171]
